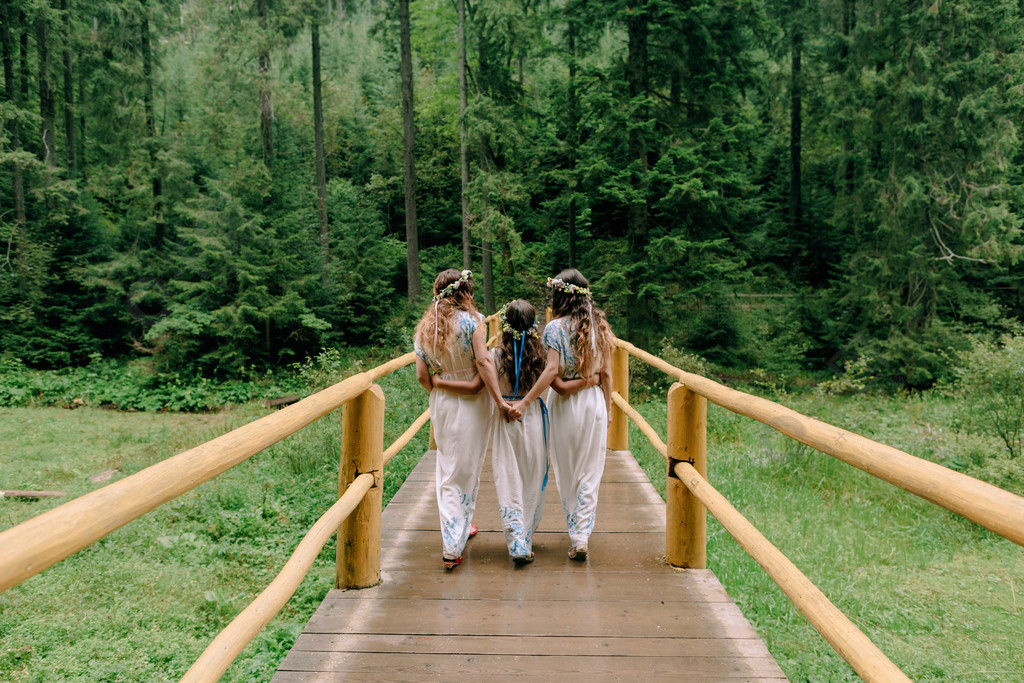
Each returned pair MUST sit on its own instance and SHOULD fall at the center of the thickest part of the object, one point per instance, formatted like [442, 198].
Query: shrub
[989, 388]
[855, 377]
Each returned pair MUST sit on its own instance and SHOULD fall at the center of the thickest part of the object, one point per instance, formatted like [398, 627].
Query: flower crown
[562, 285]
[516, 334]
[466, 276]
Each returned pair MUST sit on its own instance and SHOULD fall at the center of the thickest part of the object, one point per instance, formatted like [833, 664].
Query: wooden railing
[688, 492]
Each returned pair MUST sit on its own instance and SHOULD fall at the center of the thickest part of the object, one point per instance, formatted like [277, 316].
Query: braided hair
[591, 334]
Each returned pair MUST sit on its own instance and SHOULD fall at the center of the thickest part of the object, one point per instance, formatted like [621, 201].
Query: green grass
[941, 597]
[144, 602]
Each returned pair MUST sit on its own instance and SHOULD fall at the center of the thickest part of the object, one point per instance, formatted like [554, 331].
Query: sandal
[520, 560]
[472, 530]
[578, 553]
[450, 564]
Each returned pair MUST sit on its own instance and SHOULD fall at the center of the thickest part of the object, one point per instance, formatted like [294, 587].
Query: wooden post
[618, 429]
[493, 328]
[433, 443]
[548, 315]
[362, 451]
[686, 525]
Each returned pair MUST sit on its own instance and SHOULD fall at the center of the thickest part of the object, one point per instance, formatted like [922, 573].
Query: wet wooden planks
[623, 614]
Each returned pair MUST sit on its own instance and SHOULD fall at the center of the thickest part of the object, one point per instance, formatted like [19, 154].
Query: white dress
[460, 430]
[579, 437]
[519, 457]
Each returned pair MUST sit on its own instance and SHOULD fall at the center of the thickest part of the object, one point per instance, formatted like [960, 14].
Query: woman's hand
[516, 411]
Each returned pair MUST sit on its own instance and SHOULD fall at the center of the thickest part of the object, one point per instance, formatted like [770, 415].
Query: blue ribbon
[518, 360]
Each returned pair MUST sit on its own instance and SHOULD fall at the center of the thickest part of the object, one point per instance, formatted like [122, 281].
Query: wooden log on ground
[32, 495]
[283, 401]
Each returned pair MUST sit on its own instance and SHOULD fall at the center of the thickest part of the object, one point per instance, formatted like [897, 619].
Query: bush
[855, 377]
[989, 388]
[134, 386]
[648, 383]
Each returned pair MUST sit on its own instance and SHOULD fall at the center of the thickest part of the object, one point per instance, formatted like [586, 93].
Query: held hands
[515, 412]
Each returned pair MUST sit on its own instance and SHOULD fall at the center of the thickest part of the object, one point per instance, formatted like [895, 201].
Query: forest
[220, 187]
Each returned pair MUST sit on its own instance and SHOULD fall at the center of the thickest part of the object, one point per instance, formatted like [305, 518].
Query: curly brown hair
[520, 315]
[591, 333]
[443, 308]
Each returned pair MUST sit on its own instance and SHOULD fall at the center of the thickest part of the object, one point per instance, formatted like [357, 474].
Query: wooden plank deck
[623, 614]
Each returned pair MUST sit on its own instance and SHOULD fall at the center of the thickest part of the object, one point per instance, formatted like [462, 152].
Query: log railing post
[362, 451]
[433, 442]
[618, 429]
[686, 526]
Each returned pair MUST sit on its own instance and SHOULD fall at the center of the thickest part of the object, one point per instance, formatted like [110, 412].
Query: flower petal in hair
[516, 334]
[563, 286]
[466, 276]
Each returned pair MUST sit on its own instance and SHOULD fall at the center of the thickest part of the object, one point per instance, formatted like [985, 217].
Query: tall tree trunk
[572, 139]
[318, 141]
[849, 24]
[147, 75]
[266, 103]
[69, 95]
[639, 313]
[46, 91]
[412, 254]
[467, 261]
[488, 270]
[11, 93]
[83, 168]
[795, 128]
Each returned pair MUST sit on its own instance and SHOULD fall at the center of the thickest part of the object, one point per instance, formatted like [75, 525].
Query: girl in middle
[519, 449]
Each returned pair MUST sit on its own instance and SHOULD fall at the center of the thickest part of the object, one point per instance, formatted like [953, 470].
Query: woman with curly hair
[451, 350]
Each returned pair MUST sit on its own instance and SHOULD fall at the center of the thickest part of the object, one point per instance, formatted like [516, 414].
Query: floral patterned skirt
[519, 458]
[579, 439]
[460, 429]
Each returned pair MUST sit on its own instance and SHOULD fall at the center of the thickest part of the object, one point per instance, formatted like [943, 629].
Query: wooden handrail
[44, 540]
[645, 428]
[219, 655]
[403, 441]
[867, 660]
[990, 506]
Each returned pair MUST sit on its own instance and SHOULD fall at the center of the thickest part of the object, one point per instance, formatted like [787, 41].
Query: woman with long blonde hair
[451, 349]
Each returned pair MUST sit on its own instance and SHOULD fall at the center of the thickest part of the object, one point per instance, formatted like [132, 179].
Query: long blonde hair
[591, 334]
[434, 331]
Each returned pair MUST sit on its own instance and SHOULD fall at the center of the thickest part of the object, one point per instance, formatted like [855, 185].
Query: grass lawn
[939, 595]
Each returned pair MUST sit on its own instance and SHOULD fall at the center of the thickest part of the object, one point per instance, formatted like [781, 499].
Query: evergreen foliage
[775, 185]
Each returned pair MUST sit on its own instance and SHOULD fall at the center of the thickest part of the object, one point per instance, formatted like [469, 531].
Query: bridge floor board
[622, 614]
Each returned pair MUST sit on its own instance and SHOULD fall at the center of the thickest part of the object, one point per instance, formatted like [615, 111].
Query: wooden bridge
[622, 614]
[644, 604]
